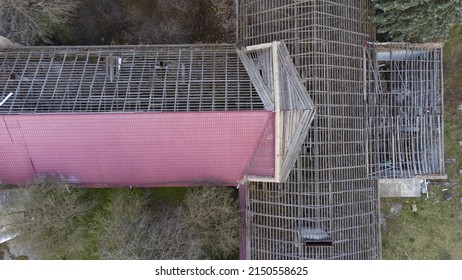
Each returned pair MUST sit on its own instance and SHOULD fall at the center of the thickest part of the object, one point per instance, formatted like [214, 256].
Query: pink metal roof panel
[135, 148]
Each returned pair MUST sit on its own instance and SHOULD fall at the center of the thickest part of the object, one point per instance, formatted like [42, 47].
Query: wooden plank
[6, 98]
[278, 120]
[441, 95]
[261, 179]
[259, 47]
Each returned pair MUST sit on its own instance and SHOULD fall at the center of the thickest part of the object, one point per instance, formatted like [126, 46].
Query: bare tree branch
[29, 21]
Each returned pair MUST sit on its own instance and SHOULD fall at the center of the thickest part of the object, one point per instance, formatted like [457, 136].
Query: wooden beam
[6, 98]
[259, 47]
[279, 125]
[261, 179]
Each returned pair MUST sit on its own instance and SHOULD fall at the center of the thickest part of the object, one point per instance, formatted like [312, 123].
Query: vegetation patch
[117, 22]
[416, 20]
[60, 221]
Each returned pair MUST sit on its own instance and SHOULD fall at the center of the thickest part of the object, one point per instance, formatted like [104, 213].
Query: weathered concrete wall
[399, 187]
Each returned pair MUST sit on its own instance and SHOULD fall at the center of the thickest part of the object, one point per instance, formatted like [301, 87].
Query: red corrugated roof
[187, 148]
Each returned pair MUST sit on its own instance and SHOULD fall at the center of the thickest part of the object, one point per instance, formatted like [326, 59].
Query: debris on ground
[414, 208]
[424, 187]
[446, 195]
[395, 208]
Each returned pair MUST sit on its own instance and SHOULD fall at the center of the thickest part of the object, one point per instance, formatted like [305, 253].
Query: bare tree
[205, 227]
[225, 11]
[121, 228]
[130, 229]
[167, 21]
[117, 21]
[171, 237]
[213, 215]
[53, 213]
[30, 21]
[182, 21]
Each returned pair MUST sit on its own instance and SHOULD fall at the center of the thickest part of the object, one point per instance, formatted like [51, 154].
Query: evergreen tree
[416, 20]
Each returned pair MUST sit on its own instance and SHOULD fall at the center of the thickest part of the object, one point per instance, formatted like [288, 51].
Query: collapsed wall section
[405, 110]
